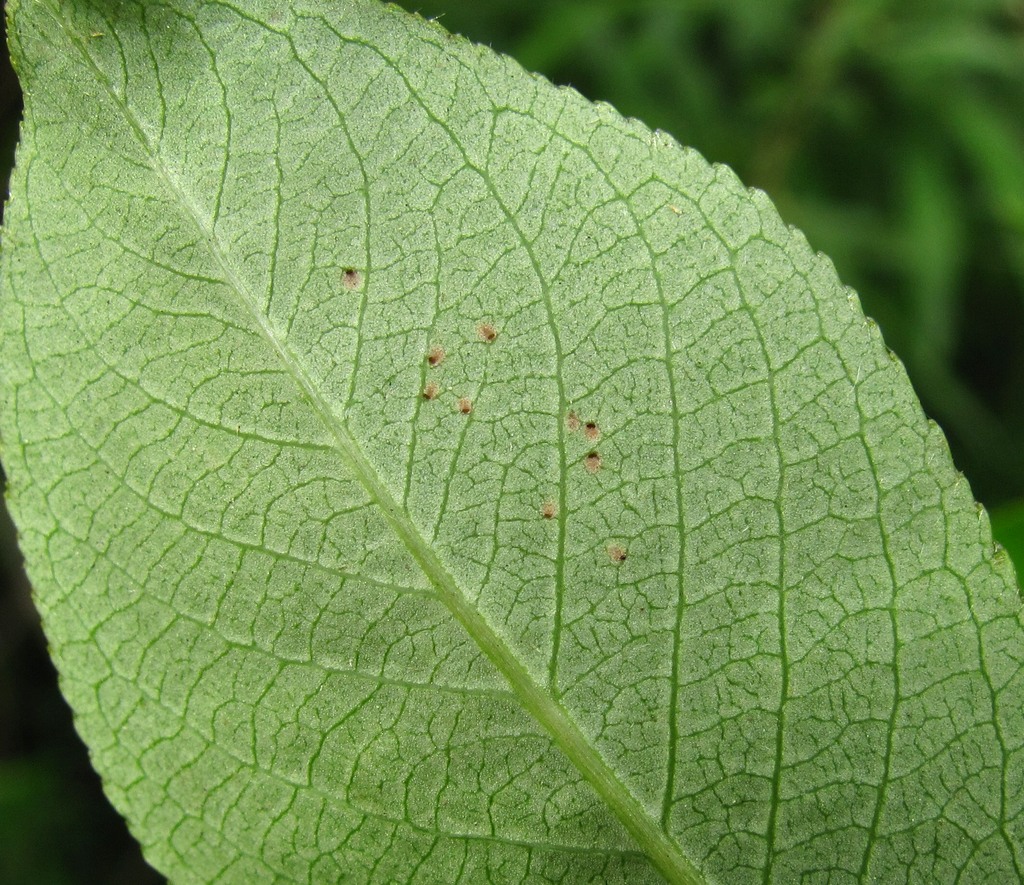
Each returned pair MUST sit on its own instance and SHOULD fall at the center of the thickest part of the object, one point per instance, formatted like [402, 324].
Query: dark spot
[430, 391]
[465, 405]
[592, 462]
[487, 332]
[572, 422]
[617, 553]
[549, 510]
[592, 431]
[435, 356]
[351, 278]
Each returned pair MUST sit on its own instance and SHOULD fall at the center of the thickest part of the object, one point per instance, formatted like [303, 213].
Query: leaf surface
[427, 475]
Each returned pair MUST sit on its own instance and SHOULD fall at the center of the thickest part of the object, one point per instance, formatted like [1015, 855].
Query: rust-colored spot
[465, 405]
[351, 279]
[592, 462]
[435, 356]
[487, 332]
[549, 510]
[592, 431]
[617, 553]
[430, 391]
[572, 422]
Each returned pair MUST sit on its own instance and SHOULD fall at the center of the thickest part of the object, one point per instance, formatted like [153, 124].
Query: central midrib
[663, 852]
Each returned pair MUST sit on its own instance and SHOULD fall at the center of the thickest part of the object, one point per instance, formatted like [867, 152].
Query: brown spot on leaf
[592, 462]
[435, 356]
[487, 332]
[351, 279]
[572, 422]
[617, 553]
[465, 405]
[549, 510]
[592, 431]
[430, 391]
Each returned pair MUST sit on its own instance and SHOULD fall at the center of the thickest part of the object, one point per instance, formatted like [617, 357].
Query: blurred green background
[890, 131]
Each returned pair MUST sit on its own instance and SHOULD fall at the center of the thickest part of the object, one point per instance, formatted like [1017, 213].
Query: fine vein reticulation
[427, 475]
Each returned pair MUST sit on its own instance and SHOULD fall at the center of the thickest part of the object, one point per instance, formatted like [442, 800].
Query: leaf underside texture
[427, 475]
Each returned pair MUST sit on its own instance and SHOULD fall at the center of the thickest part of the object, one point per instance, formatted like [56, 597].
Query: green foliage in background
[890, 132]
[428, 475]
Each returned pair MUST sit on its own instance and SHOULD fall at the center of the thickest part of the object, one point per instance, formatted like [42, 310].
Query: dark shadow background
[890, 131]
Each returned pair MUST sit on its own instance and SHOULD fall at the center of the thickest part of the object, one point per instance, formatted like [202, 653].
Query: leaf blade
[712, 202]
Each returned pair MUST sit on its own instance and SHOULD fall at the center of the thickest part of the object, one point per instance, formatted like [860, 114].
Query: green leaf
[426, 475]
